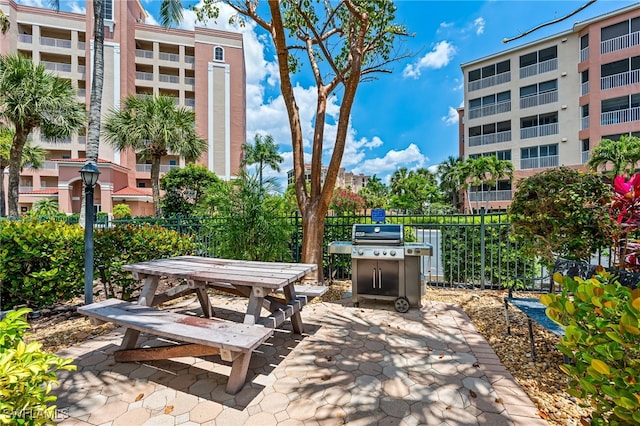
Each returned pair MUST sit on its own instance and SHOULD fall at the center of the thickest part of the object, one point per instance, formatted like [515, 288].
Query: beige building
[203, 69]
[548, 103]
[344, 179]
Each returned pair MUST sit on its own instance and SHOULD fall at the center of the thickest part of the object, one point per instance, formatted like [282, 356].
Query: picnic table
[267, 285]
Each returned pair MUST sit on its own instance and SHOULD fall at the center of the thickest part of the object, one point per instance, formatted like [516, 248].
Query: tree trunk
[313, 237]
[95, 102]
[155, 185]
[15, 160]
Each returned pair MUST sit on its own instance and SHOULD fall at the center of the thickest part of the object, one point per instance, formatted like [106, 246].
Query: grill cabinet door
[378, 277]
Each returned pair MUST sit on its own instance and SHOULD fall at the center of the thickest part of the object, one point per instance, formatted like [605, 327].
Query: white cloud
[451, 118]
[439, 57]
[410, 157]
[478, 24]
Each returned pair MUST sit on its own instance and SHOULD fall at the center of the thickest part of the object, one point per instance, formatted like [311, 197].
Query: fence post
[482, 244]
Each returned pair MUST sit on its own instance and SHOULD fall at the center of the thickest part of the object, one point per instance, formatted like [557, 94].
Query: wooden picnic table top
[274, 275]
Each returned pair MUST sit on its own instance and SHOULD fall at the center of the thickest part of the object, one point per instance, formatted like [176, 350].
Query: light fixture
[89, 174]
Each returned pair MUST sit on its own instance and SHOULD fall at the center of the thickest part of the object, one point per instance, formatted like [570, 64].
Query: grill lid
[377, 234]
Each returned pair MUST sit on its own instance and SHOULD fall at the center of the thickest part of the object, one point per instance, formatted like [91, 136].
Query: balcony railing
[619, 43]
[56, 140]
[25, 188]
[173, 57]
[493, 80]
[148, 76]
[190, 81]
[538, 99]
[164, 168]
[82, 93]
[585, 157]
[82, 69]
[584, 88]
[81, 45]
[56, 66]
[190, 102]
[497, 195]
[584, 54]
[539, 68]
[584, 123]
[490, 138]
[539, 131]
[189, 59]
[621, 79]
[55, 42]
[620, 116]
[141, 53]
[166, 78]
[539, 162]
[492, 109]
[49, 165]
[82, 140]
[25, 38]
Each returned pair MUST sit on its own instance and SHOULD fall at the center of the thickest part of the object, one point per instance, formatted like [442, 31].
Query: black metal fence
[469, 250]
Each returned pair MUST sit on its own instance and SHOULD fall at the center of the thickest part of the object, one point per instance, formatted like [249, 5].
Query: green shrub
[121, 211]
[126, 244]
[41, 263]
[26, 375]
[602, 336]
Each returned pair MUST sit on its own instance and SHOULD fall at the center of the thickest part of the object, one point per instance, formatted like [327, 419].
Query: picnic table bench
[267, 285]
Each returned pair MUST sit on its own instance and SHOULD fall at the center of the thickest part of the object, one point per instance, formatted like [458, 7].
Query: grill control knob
[360, 252]
[392, 252]
[384, 252]
[376, 252]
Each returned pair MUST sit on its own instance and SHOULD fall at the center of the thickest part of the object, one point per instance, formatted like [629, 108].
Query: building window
[539, 62]
[490, 133]
[539, 94]
[584, 150]
[218, 53]
[489, 76]
[539, 125]
[108, 9]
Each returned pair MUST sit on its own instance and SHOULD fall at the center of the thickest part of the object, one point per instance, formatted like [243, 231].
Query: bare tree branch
[546, 24]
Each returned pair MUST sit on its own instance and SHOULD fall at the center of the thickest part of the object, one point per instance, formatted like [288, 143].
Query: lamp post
[89, 174]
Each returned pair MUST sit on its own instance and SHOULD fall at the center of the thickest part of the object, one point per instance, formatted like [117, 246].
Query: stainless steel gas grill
[383, 266]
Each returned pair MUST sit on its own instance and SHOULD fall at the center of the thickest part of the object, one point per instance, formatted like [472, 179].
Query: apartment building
[344, 180]
[202, 69]
[548, 103]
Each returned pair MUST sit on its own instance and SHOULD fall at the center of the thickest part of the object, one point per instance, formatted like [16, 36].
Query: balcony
[82, 69]
[584, 88]
[81, 45]
[148, 54]
[189, 59]
[620, 116]
[56, 66]
[82, 140]
[55, 42]
[25, 188]
[56, 140]
[619, 43]
[584, 54]
[498, 195]
[492, 109]
[49, 165]
[490, 138]
[539, 131]
[147, 76]
[164, 168]
[173, 57]
[166, 78]
[191, 81]
[538, 99]
[190, 102]
[585, 157]
[539, 68]
[622, 79]
[584, 123]
[25, 38]
[493, 80]
[82, 93]
[539, 162]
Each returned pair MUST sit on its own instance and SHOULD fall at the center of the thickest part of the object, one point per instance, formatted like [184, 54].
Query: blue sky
[405, 119]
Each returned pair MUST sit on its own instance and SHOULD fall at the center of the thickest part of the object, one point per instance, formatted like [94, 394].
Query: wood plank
[309, 290]
[164, 352]
[182, 328]
[244, 279]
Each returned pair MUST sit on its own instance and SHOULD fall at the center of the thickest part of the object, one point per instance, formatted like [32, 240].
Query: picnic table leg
[238, 374]
[203, 297]
[149, 288]
[296, 318]
[130, 339]
[256, 299]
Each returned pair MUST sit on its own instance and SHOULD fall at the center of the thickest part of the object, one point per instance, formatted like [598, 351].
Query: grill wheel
[402, 304]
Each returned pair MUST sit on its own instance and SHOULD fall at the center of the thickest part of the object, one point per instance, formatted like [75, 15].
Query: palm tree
[33, 156]
[34, 98]
[450, 172]
[154, 127]
[496, 170]
[263, 152]
[623, 155]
